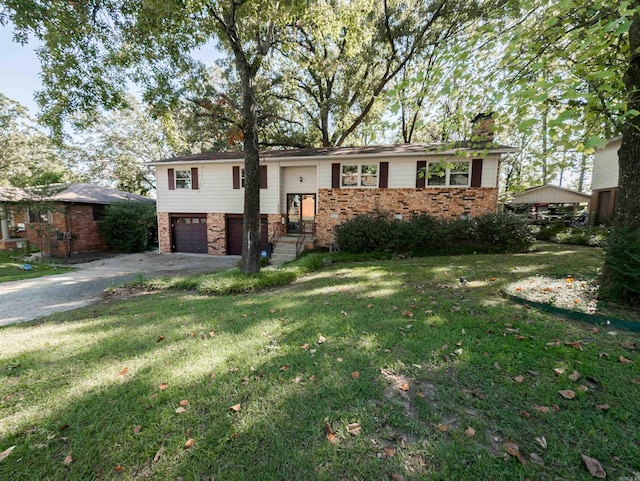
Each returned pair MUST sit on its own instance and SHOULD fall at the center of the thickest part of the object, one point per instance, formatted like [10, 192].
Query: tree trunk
[621, 273]
[250, 263]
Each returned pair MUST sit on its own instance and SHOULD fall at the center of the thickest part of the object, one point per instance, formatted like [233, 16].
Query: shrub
[621, 276]
[125, 226]
[425, 235]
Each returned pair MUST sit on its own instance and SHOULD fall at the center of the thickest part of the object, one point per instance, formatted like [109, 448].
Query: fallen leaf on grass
[567, 393]
[594, 467]
[321, 339]
[184, 402]
[160, 339]
[6, 452]
[329, 434]
[583, 388]
[513, 450]
[624, 360]
[636, 381]
[576, 345]
[284, 368]
[629, 345]
[355, 375]
[163, 386]
[602, 407]
[68, 459]
[120, 469]
[181, 410]
[354, 429]
[574, 376]
[536, 459]
[235, 407]
[443, 427]
[408, 314]
[542, 409]
[160, 452]
[602, 354]
[470, 432]
[123, 372]
[554, 343]
[397, 477]
[305, 346]
[137, 429]
[404, 387]
[518, 379]
[525, 414]
[541, 441]
[189, 443]
[559, 371]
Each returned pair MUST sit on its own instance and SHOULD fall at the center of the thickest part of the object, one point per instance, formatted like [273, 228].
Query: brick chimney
[482, 127]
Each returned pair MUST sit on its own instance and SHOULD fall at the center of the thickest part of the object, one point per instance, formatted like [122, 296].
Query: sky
[19, 70]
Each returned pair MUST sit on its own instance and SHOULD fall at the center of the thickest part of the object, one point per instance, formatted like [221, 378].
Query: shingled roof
[370, 150]
[74, 193]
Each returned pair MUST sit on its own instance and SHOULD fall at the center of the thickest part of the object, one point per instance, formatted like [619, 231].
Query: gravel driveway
[32, 298]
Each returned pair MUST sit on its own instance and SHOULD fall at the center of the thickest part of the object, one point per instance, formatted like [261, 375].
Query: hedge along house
[60, 220]
[200, 197]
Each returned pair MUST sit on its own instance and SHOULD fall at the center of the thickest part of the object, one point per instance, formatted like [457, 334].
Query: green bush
[425, 235]
[125, 226]
[562, 234]
[621, 276]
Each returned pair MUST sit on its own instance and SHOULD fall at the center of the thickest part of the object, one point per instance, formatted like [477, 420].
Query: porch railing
[306, 229]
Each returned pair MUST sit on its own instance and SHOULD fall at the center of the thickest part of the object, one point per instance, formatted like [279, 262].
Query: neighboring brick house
[200, 197]
[604, 182]
[62, 221]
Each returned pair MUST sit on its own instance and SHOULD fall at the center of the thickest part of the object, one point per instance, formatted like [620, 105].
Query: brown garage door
[189, 233]
[234, 233]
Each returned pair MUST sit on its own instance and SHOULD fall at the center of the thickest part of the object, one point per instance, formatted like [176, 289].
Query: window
[98, 212]
[37, 216]
[183, 179]
[454, 174]
[364, 175]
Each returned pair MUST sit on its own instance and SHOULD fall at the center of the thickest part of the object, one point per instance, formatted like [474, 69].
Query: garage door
[234, 234]
[189, 234]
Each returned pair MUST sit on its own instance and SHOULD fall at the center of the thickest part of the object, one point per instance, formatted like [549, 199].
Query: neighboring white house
[200, 198]
[604, 181]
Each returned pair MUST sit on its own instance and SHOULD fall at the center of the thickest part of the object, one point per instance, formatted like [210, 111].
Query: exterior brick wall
[335, 206]
[71, 230]
[164, 232]
[216, 234]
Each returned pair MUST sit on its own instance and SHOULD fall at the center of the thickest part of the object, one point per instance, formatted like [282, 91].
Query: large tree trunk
[621, 273]
[251, 227]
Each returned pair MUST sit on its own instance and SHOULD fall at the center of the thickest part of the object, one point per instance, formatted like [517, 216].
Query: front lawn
[11, 268]
[373, 370]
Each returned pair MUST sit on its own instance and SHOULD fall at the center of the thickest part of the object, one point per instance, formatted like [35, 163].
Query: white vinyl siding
[605, 167]
[216, 193]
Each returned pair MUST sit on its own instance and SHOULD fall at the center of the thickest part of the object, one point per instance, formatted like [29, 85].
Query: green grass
[392, 322]
[10, 268]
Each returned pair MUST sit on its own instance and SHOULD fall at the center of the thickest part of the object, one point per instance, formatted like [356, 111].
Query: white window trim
[175, 180]
[358, 175]
[447, 176]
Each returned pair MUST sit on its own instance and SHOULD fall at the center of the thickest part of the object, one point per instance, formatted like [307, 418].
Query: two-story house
[200, 197]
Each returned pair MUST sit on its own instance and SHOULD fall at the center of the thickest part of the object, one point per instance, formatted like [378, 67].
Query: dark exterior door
[301, 211]
[189, 233]
[234, 234]
[604, 206]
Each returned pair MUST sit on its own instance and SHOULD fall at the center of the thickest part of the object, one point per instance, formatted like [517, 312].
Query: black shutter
[335, 176]
[384, 175]
[476, 173]
[421, 174]
[263, 176]
[172, 183]
[194, 178]
[236, 177]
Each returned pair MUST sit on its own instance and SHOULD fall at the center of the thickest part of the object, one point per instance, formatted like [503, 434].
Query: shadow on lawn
[288, 357]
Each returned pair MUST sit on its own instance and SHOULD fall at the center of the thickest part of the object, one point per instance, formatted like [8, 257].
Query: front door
[301, 212]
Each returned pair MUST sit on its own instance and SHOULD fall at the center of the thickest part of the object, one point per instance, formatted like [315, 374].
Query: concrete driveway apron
[32, 298]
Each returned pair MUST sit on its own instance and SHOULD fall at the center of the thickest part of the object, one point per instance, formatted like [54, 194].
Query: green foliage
[562, 234]
[425, 235]
[126, 225]
[621, 276]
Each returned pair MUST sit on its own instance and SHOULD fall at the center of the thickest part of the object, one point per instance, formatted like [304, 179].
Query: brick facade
[70, 230]
[335, 206]
[164, 232]
[216, 234]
